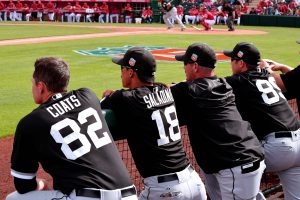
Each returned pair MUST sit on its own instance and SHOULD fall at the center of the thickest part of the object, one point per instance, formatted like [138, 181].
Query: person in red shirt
[78, 11]
[245, 8]
[19, 9]
[180, 11]
[69, 12]
[97, 11]
[293, 6]
[115, 13]
[12, 10]
[207, 20]
[259, 10]
[26, 12]
[50, 7]
[263, 5]
[33, 9]
[282, 8]
[40, 9]
[221, 16]
[193, 12]
[128, 13]
[88, 12]
[1, 10]
[144, 15]
[104, 12]
[149, 14]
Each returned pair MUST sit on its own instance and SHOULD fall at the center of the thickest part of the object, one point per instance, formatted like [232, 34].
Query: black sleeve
[23, 185]
[291, 81]
[114, 103]
[178, 95]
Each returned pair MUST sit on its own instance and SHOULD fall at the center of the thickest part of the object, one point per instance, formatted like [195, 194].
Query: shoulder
[29, 121]
[232, 79]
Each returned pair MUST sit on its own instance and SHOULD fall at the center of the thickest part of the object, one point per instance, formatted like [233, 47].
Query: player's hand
[275, 66]
[107, 93]
[265, 65]
[42, 184]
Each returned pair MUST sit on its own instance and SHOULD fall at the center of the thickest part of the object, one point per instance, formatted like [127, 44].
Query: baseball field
[89, 47]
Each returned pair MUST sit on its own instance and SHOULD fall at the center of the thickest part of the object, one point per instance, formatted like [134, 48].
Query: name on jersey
[158, 98]
[63, 106]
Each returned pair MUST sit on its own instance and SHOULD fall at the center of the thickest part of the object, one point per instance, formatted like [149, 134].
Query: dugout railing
[269, 184]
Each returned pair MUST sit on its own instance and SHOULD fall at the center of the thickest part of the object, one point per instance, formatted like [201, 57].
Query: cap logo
[240, 54]
[132, 62]
[194, 57]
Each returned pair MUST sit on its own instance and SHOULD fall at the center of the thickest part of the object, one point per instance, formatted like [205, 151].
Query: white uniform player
[171, 12]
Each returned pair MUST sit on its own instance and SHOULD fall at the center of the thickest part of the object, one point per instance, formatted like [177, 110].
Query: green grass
[41, 30]
[99, 73]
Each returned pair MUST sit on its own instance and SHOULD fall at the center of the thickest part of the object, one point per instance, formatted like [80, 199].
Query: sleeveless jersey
[219, 137]
[146, 117]
[69, 137]
[261, 102]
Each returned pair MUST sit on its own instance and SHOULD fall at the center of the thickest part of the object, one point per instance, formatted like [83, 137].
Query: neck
[137, 83]
[205, 73]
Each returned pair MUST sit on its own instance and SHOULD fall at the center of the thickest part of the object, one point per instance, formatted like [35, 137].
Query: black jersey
[261, 102]
[219, 137]
[146, 116]
[70, 138]
[291, 81]
[229, 9]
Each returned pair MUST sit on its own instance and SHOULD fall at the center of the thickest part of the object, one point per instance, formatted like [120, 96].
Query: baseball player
[50, 8]
[288, 80]
[193, 12]
[104, 13]
[12, 10]
[1, 10]
[171, 12]
[68, 135]
[19, 10]
[207, 19]
[40, 8]
[224, 145]
[261, 102]
[146, 117]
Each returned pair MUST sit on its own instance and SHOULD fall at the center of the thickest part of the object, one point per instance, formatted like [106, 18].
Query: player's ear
[42, 87]
[131, 73]
[195, 67]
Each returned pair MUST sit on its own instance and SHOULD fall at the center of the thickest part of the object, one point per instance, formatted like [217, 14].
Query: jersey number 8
[77, 135]
[270, 91]
[164, 119]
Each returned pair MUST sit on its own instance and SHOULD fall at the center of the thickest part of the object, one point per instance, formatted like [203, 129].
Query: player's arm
[111, 101]
[273, 66]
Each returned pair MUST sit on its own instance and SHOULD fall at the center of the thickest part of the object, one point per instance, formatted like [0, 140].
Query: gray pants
[188, 186]
[282, 155]
[172, 14]
[230, 22]
[231, 184]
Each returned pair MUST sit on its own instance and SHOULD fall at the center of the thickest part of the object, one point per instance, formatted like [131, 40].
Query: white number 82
[77, 135]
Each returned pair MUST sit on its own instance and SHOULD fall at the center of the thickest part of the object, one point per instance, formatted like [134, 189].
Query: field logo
[160, 53]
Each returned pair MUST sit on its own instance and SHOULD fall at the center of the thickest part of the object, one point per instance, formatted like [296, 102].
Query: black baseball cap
[141, 61]
[246, 52]
[200, 53]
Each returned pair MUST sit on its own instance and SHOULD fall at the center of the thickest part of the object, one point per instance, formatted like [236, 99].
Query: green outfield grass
[98, 73]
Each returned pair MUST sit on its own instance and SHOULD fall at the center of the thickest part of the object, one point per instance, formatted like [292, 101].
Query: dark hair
[54, 72]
